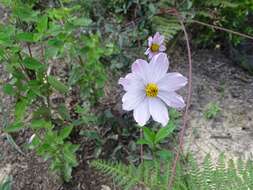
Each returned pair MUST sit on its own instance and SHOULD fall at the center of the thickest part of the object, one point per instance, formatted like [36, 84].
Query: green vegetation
[224, 175]
[212, 110]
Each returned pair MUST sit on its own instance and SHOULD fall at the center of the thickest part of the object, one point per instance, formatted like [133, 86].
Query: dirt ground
[217, 80]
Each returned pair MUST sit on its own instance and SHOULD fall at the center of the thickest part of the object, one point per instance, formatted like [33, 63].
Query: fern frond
[6, 184]
[169, 27]
[124, 176]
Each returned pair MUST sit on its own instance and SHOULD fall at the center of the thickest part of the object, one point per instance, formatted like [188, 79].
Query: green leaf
[64, 112]
[40, 124]
[6, 183]
[165, 154]
[142, 141]
[149, 135]
[32, 64]
[81, 21]
[5, 39]
[8, 89]
[25, 12]
[25, 36]
[65, 132]
[14, 127]
[58, 85]
[20, 110]
[164, 132]
[42, 24]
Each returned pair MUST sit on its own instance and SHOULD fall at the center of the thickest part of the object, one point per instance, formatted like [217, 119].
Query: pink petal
[131, 82]
[172, 82]
[131, 99]
[172, 99]
[160, 40]
[141, 112]
[156, 37]
[151, 54]
[140, 68]
[159, 66]
[150, 40]
[162, 48]
[158, 111]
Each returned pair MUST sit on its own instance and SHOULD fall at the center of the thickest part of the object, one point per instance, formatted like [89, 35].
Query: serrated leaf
[142, 141]
[25, 36]
[57, 85]
[20, 110]
[42, 24]
[40, 124]
[32, 64]
[15, 127]
[65, 132]
[164, 132]
[149, 135]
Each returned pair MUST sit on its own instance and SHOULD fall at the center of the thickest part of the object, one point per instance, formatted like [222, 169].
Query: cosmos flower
[155, 45]
[150, 89]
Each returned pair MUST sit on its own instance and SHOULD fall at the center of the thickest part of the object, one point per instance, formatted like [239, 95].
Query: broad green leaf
[65, 132]
[142, 141]
[81, 21]
[5, 39]
[8, 89]
[40, 124]
[58, 85]
[42, 24]
[32, 64]
[14, 127]
[20, 109]
[25, 36]
[25, 13]
[149, 135]
[64, 112]
[164, 132]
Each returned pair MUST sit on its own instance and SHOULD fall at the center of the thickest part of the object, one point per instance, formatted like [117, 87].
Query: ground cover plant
[62, 59]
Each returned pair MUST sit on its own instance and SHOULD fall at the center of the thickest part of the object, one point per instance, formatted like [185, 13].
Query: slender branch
[173, 11]
[141, 137]
[185, 117]
[80, 60]
[220, 28]
[29, 49]
[23, 67]
[42, 54]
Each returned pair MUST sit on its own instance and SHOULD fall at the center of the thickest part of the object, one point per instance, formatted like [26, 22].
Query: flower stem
[141, 137]
[185, 117]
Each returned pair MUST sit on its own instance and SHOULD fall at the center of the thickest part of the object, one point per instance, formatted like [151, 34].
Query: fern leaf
[169, 27]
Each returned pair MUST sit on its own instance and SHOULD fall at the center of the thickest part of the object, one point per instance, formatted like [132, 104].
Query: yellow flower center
[155, 47]
[151, 90]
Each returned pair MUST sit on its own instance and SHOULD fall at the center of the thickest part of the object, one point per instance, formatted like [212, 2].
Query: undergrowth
[154, 174]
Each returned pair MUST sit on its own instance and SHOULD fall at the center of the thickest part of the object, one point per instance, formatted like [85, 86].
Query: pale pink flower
[150, 89]
[155, 45]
